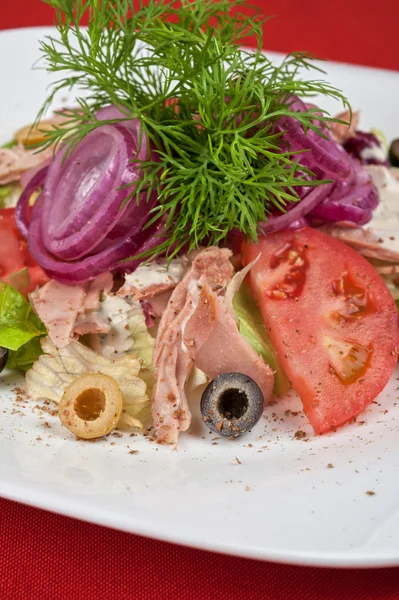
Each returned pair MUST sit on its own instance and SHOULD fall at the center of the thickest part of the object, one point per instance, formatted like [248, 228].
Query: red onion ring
[88, 219]
[22, 208]
[94, 209]
[91, 266]
[352, 195]
[298, 210]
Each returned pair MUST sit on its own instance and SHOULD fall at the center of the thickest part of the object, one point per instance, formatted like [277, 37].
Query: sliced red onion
[366, 148]
[22, 208]
[329, 157]
[155, 237]
[353, 200]
[148, 313]
[136, 127]
[352, 195]
[27, 175]
[297, 210]
[299, 224]
[73, 228]
[91, 266]
[88, 219]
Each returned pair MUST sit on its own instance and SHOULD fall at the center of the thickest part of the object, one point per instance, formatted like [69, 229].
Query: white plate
[268, 496]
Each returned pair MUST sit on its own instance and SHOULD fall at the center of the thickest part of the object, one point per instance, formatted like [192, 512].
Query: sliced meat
[216, 345]
[211, 266]
[379, 238]
[343, 132]
[58, 306]
[69, 310]
[198, 329]
[91, 322]
[365, 241]
[152, 279]
[157, 305]
[16, 161]
[388, 272]
[170, 409]
[172, 359]
[100, 285]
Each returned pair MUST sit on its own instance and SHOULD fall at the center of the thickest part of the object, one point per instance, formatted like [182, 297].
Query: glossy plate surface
[329, 501]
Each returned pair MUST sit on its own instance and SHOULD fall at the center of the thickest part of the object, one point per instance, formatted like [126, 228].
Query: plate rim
[98, 516]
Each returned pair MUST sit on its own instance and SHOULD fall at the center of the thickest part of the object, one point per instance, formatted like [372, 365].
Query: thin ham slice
[198, 329]
[14, 162]
[365, 241]
[171, 413]
[389, 272]
[90, 322]
[153, 279]
[68, 311]
[172, 359]
[211, 266]
[217, 346]
[342, 132]
[58, 306]
[101, 284]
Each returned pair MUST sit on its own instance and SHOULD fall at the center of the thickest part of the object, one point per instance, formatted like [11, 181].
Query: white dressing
[155, 274]
[385, 221]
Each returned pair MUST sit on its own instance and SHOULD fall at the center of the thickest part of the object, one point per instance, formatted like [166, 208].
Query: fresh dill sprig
[207, 106]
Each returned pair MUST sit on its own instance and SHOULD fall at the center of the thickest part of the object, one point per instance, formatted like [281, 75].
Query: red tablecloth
[359, 31]
[47, 557]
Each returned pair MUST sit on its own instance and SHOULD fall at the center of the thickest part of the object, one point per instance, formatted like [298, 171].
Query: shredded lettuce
[58, 367]
[4, 192]
[393, 288]
[380, 135]
[128, 331]
[128, 334]
[253, 330]
[143, 342]
[20, 328]
[9, 195]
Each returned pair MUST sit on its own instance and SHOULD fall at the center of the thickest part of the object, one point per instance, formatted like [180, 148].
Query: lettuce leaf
[9, 144]
[253, 330]
[18, 322]
[26, 356]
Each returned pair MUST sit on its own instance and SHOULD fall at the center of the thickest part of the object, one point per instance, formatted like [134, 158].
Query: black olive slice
[3, 357]
[394, 153]
[232, 404]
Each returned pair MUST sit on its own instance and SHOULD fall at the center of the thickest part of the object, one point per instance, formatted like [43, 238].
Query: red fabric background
[48, 557]
[358, 31]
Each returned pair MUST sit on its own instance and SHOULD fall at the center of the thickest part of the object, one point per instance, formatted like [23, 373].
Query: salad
[194, 221]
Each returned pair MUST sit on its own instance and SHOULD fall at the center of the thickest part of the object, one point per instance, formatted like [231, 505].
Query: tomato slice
[14, 254]
[331, 319]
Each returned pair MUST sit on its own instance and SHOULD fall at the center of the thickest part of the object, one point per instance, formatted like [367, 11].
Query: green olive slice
[91, 406]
